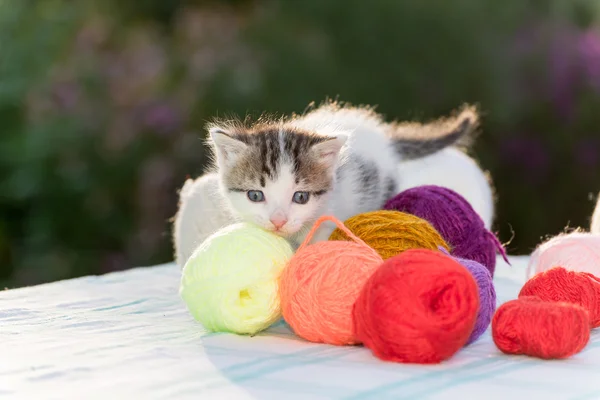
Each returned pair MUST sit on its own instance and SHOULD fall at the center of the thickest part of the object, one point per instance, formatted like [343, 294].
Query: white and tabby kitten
[334, 160]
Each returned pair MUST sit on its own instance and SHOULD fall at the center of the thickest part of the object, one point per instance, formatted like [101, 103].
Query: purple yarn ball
[454, 218]
[487, 295]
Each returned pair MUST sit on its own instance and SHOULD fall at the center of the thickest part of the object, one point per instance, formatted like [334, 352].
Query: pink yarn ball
[577, 251]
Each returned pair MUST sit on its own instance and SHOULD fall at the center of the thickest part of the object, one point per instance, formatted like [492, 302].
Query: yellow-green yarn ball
[231, 281]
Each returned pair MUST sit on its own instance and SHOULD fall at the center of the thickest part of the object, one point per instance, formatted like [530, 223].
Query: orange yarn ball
[320, 284]
[392, 232]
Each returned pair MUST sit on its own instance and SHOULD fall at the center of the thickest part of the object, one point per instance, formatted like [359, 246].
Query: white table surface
[127, 335]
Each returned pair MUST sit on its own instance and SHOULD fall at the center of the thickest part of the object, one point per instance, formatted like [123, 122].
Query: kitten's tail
[414, 140]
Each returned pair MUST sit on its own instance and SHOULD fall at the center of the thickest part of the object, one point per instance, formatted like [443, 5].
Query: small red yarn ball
[418, 307]
[533, 327]
[559, 284]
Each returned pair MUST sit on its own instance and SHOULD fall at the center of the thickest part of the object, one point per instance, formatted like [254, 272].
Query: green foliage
[102, 105]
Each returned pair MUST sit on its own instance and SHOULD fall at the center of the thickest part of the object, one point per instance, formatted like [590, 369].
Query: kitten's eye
[256, 196]
[301, 197]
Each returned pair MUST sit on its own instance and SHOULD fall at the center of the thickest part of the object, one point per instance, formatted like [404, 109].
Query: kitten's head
[276, 176]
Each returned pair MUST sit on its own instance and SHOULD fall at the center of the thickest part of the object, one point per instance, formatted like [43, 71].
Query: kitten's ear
[227, 148]
[327, 152]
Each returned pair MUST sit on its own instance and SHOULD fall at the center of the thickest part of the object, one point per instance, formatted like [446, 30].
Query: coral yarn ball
[319, 286]
[454, 218]
[547, 330]
[559, 285]
[418, 307]
[392, 232]
[230, 283]
[577, 251]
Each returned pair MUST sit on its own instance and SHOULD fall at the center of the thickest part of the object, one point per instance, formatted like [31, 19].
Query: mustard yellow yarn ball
[392, 232]
[231, 281]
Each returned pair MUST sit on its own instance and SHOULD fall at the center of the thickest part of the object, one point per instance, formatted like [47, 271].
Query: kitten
[334, 160]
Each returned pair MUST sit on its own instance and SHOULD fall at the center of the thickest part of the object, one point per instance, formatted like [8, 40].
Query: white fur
[202, 211]
[453, 169]
[595, 225]
[366, 138]
[278, 204]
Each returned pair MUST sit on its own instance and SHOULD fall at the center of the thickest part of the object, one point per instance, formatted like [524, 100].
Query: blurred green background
[103, 103]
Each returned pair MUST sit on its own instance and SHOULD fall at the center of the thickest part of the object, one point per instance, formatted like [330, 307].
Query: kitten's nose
[278, 222]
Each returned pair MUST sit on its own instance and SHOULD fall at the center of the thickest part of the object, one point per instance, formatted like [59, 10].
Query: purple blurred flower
[558, 76]
[589, 53]
[526, 48]
[574, 60]
[563, 71]
[66, 95]
[528, 154]
[162, 118]
[526, 39]
[587, 153]
[155, 176]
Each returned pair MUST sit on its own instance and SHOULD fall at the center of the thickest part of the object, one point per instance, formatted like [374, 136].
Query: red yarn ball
[547, 330]
[418, 307]
[558, 284]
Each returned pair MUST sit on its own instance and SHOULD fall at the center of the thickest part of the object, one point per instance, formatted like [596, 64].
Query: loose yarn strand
[499, 246]
[339, 224]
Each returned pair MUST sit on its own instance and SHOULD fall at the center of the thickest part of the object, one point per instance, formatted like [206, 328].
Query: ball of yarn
[530, 326]
[576, 251]
[454, 218]
[454, 169]
[321, 283]
[231, 281]
[418, 307]
[392, 232]
[487, 296]
[559, 285]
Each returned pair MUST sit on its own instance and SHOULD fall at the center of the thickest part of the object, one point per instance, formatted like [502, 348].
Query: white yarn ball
[453, 169]
[576, 251]
[202, 212]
